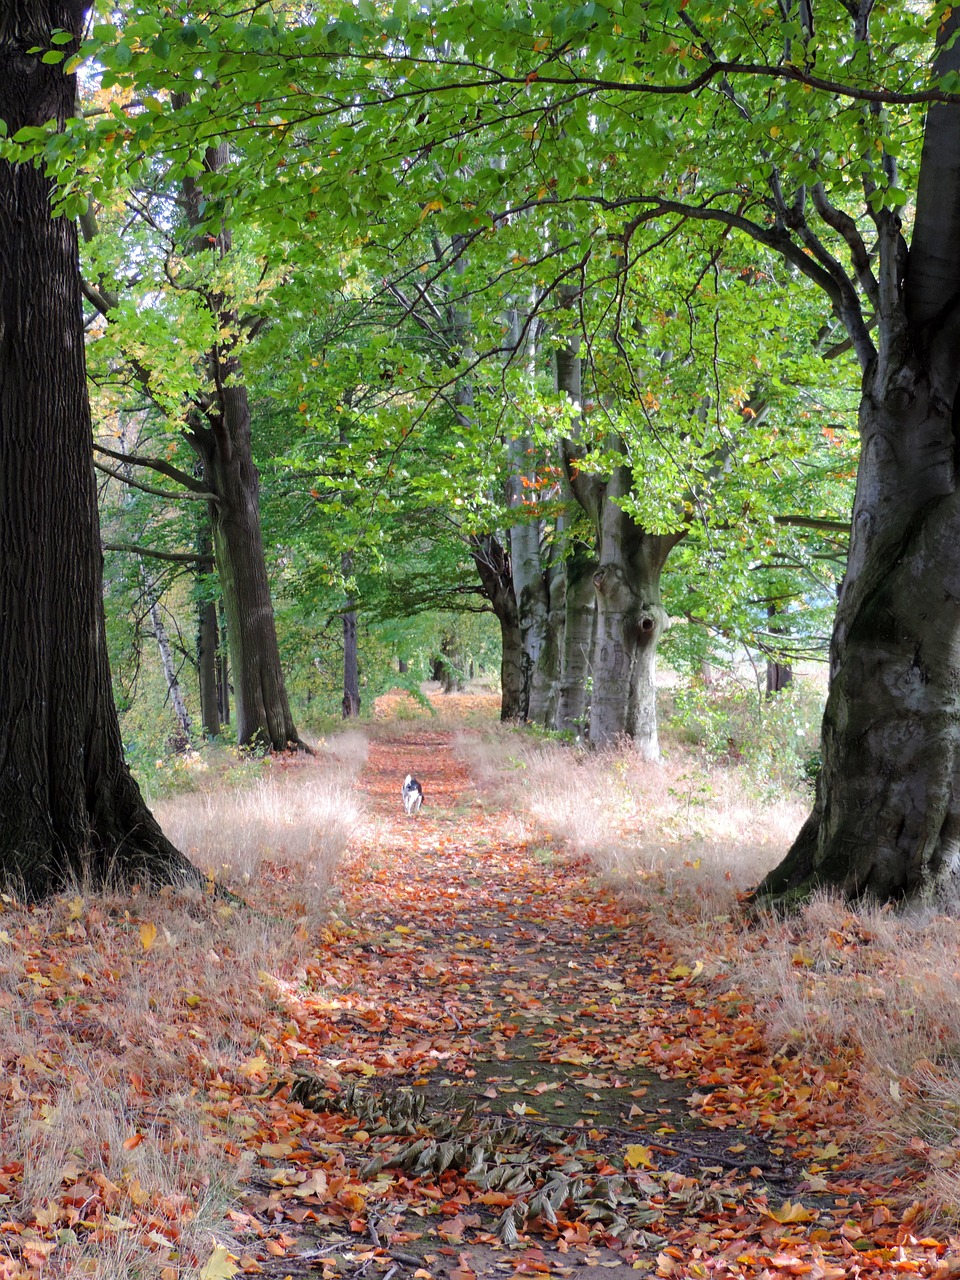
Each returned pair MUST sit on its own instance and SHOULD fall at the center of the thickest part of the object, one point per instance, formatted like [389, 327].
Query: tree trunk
[351, 667]
[70, 810]
[545, 691]
[263, 716]
[630, 613]
[779, 674]
[223, 665]
[886, 821]
[493, 565]
[207, 666]
[225, 448]
[166, 660]
[630, 620]
[579, 631]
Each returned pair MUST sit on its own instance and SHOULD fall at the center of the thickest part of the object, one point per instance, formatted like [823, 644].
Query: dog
[412, 794]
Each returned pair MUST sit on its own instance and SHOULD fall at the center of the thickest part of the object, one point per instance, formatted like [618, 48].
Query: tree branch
[158, 464]
[149, 488]
[175, 557]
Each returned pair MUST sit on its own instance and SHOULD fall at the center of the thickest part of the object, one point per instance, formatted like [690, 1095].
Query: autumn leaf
[148, 935]
[639, 1157]
[790, 1212]
[221, 1265]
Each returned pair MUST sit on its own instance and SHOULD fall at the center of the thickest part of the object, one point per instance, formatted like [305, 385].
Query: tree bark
[630, 617]
[545, 690]
[208, 638]
[493, 566]
[351, 668]
[263, 715]
[69, 808]
[886, 820]
[579, 632]
[630, 620]
[166, 659]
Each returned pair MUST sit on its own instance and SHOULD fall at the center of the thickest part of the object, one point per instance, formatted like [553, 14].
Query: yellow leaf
[774, 131]
[75, 906]
[221, 1265]
[638, 1156]
[430, 207]
[255, 1066]
[148, 935]
[193, 1001]
[680, 971]
[789, 1212]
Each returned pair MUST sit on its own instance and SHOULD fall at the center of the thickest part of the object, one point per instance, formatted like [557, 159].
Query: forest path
[543, 1089]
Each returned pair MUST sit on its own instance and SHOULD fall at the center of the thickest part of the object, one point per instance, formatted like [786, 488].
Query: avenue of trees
[586, 317]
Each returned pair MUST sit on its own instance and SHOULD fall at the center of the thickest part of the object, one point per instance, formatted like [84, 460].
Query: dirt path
[521, 1080]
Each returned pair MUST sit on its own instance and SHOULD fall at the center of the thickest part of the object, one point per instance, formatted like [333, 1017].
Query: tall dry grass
[124, 1017]
[299, 817]
[687, 838]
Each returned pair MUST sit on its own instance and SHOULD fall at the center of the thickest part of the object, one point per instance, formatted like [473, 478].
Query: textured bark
[579, 633]
[208, 638]
[69, 808]
[630, 621]
[493, 566]
[351, 664]
[351, 670]
[223, 665]
[263, 715]
[886, 821]
[630, 617]
[545, 690]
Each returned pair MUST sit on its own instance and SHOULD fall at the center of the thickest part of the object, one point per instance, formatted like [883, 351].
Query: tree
[69, 807]
[630, 128]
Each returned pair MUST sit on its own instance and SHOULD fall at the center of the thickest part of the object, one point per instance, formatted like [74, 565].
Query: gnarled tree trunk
[630, 620]
[69, 807]
[886, 821]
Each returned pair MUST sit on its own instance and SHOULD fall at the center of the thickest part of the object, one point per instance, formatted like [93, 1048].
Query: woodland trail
[519, 1079]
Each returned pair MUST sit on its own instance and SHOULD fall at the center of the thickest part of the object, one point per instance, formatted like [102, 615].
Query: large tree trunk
[579, 632]
[545, 690]
[630, 616]
[69, 808]
[630, 620]
[886, 821]
[493, 566]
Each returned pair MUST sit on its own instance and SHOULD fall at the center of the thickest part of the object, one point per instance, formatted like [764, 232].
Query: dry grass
[125, 1019]
[879, 989]
[299, 817]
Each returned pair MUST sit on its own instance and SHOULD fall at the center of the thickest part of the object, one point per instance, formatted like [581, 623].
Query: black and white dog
[412, 794]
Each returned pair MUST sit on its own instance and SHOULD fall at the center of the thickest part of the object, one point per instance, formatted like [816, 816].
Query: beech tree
[70, 810]
[792, 126]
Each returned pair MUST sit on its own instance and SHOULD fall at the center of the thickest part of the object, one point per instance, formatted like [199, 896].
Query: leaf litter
[480, 1063]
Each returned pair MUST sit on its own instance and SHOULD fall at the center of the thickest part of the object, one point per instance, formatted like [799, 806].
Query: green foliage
[775, 739]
